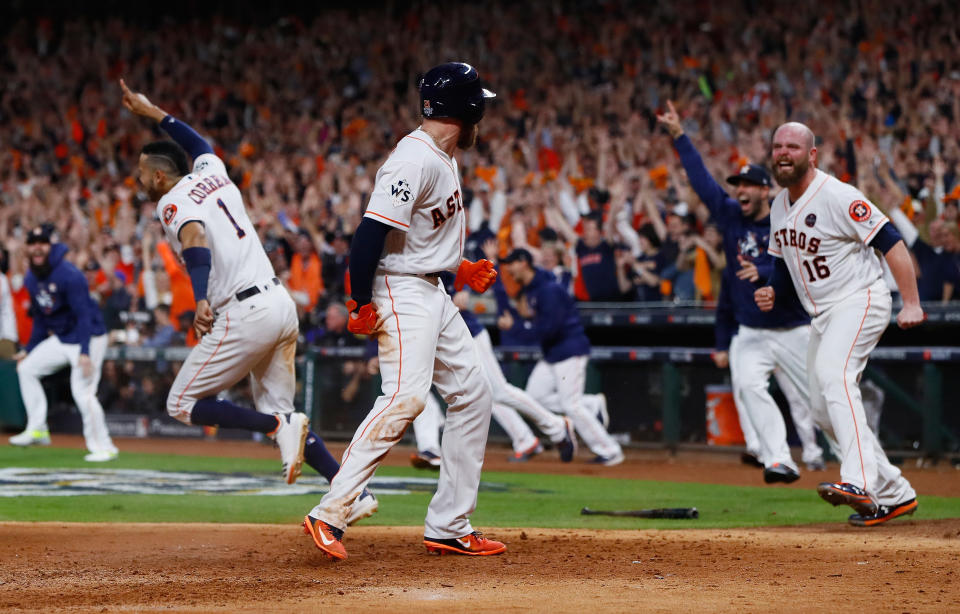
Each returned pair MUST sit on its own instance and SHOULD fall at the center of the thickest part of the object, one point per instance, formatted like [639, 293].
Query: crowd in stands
[571, 164]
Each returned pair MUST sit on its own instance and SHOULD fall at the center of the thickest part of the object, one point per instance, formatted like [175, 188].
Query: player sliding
[246, 322]
[413, 228]
[823, 233]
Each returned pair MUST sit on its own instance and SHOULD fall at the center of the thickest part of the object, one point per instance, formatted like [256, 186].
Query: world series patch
[810, 220]
[860, 211]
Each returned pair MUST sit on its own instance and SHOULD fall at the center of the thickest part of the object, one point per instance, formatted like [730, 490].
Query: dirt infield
[908, 566]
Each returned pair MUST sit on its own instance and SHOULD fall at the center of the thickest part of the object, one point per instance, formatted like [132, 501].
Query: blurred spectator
[306, 281]
[164, 335]
[118, 301]
[645, 274]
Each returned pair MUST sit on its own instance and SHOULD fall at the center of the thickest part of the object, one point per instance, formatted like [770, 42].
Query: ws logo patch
[401, 193]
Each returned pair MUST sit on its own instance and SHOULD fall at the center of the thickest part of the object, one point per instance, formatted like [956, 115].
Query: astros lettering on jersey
[824, 240]
[418, 191]
[208, 196]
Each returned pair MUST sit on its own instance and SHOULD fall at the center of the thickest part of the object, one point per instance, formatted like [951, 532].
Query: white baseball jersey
[824, 240]
[418, 192]
[208, 196]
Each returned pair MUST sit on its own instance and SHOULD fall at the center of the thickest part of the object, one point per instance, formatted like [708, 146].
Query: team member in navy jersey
[566, 349]
[765, 341]
[60, 303]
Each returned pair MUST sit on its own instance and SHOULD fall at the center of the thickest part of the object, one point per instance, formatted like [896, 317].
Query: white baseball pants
[510, 401]
[426, 426]
[255, 337]
[841, 340]
[424, 341]
[51, 355]
[566, 379]
[755, 355]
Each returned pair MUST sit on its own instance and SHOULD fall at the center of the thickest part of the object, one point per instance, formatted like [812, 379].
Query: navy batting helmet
[453, 90]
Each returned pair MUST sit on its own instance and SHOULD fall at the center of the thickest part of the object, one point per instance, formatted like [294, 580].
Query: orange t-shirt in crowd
[21, 310]
[306, 277]
[180, 287]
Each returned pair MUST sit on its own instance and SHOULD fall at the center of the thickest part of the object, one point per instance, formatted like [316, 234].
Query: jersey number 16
[817, 270]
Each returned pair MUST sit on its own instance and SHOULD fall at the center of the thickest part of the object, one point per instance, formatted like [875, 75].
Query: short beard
[42, 271]
[468, 136]
[789, 178]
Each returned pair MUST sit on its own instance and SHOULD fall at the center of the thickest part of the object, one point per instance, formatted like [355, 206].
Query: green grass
[532, 500]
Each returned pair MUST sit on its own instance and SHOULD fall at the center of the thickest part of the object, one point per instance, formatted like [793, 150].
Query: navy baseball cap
[751, 173]
[40, 234]
[518, 253]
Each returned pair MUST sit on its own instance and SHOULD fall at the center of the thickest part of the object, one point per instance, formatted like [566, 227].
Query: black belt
[255, 290]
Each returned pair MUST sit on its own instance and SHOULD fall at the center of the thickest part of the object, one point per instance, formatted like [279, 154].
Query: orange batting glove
[479, 275]
[365, 321]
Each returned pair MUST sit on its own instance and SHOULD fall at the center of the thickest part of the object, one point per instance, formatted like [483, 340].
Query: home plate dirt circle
[65, 567]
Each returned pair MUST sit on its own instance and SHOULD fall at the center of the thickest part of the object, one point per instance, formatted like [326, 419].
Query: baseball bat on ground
[662, 512]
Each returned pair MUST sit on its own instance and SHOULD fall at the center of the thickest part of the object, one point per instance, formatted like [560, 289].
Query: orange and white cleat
[326, 537]
[473, 544]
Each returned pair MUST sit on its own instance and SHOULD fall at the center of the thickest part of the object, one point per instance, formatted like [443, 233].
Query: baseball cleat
[843, 493]
[608, 461]
[568, 445]
[817, 465]
[780, 473]
[525, 455]
[751, 460]
[473, 544]
[425, 460]
[36, 437]
[291, 436]
[365, 505]
[327, 538]
[101, 456]
[884, 513]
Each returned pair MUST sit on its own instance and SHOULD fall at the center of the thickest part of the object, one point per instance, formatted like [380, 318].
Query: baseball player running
[823, 233]
[509, 401]
[563, 369]
[246, 322]
[61, 304]
[414, 227]
[765, 341]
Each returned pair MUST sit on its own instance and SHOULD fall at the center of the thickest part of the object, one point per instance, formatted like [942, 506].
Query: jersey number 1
[240, 231]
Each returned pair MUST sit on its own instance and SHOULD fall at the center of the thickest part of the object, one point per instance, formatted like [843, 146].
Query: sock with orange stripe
[316, 455]
[213, 412]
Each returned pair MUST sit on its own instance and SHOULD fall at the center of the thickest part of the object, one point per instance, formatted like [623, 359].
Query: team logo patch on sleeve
[400, 193]
[860, 211]
[169, 212]
[810, 220]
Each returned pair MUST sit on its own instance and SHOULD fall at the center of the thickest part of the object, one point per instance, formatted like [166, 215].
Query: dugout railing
[651, 360]
[657, 395]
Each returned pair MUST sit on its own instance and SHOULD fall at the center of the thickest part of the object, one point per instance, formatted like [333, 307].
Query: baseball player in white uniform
[246, 321]
[823, 234]
[414, 227]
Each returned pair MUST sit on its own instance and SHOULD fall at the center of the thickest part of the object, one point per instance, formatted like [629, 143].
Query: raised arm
[184, 135]
[702, 182]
